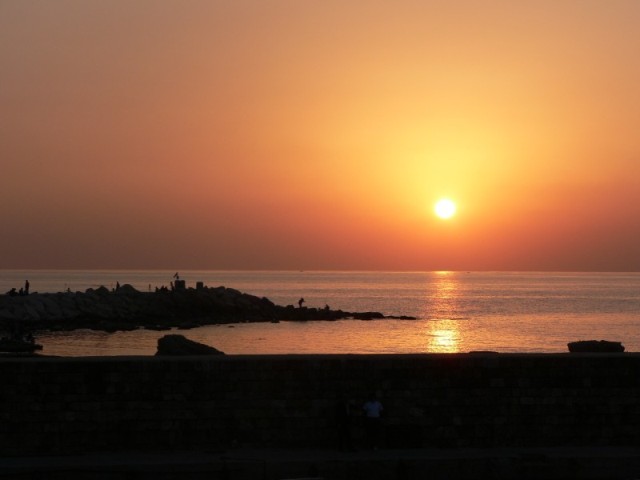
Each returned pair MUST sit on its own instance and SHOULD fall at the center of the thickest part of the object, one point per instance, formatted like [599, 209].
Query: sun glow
[445, 208]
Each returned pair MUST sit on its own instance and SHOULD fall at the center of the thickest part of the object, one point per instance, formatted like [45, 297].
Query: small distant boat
[18, 345]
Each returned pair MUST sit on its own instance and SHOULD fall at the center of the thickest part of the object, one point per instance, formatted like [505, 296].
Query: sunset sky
[270, 134]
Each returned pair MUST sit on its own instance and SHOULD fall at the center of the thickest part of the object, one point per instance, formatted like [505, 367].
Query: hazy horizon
[186, 271]
[286, 135]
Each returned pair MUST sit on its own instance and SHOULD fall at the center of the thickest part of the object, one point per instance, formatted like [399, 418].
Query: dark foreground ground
[597, 463]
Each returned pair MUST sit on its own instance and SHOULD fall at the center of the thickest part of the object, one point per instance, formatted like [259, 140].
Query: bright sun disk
[445, 208]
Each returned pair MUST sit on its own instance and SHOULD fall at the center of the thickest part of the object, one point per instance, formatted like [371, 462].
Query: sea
[505, 312]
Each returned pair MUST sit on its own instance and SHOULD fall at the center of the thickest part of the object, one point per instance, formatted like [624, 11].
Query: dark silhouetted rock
[124, 308]
[157, 328]
[368, 315]
[127, 289]
[180, 345]
[102, 290]
[18, 345]
[595, 346]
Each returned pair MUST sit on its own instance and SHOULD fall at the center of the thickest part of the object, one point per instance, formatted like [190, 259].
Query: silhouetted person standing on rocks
[300, 302]
[26, 287]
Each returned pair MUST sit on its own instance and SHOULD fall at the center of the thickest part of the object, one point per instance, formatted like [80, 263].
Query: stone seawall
[61, 406]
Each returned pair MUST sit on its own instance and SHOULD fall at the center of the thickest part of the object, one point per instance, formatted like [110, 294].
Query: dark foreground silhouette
[126, 308]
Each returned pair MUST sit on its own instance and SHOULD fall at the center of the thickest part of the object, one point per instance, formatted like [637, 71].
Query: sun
[445, 208]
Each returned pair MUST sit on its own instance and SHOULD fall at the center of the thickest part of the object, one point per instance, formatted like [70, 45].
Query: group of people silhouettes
[23, 290]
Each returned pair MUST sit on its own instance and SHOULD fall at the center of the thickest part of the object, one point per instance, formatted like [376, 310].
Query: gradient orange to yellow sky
[260, 134]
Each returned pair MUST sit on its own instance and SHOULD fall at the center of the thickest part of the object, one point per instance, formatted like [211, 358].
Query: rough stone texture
[58, 406]
[180, 345]
[126, 308]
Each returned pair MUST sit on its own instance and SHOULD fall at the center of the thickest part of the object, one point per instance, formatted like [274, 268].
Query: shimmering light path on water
[457, 311]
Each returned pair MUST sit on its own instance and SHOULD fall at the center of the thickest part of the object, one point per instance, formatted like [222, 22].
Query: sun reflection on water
[443, 332]
[443, 337]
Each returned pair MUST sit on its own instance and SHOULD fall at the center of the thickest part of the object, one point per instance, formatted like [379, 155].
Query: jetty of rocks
[126, 308]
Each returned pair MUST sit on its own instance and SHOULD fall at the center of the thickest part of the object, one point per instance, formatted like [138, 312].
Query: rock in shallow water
[180, 345]
[591, 346]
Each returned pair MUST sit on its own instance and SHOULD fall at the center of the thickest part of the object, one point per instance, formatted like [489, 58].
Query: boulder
[102, 291]
[595, 346]
[180, 345]
[127, 289]
[6, 314]
[52, 307]
[30, 313]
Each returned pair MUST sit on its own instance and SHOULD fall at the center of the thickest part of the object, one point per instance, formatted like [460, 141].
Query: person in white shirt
[373, 412]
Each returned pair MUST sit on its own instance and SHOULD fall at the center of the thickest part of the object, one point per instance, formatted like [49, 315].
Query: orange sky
[318, 135]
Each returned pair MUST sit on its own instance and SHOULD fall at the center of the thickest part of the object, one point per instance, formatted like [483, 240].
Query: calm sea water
[456, 311]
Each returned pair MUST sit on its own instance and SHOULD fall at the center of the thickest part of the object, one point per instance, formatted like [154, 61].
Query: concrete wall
[57, 406]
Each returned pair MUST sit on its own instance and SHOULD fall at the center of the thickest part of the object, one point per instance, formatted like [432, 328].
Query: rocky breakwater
[127, 308]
